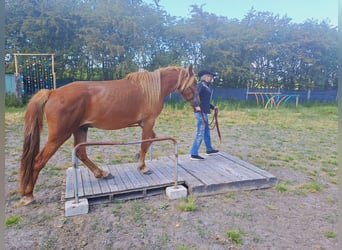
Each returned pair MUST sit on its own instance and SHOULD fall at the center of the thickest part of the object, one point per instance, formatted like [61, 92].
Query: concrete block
[72, 208]
[176, 192]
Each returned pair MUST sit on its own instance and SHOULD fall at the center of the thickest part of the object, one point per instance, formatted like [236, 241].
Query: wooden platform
[217, 173]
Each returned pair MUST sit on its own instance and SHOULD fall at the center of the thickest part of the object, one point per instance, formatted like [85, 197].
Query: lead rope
[214, 123]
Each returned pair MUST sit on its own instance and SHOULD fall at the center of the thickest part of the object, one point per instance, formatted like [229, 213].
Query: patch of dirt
[296, 218]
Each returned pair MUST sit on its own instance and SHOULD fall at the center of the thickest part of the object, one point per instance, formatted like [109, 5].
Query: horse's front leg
[80, 135]
[147, 133]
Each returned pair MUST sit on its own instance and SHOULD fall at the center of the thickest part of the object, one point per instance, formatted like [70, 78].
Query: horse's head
[188, 86]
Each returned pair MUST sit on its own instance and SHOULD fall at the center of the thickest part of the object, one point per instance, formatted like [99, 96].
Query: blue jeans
[202, 133]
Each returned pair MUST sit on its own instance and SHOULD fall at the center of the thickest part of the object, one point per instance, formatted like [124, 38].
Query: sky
[297, 10]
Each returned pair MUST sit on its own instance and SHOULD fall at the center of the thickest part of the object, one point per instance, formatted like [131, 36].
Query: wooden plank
[194, 183]
[135, 180]
[220, 170]
[161, 171]
[104, 185]
[94, 184]
[113, 186]
[219, 165]
[69, 184]
[155, 175]
[150, 178]
[79, 183]
[125, 178]
[88, 189]
[248, 165]
[153, 178]
[202, 171]
[237, 171]
[215, 174]
[170, 170]
[118, 180]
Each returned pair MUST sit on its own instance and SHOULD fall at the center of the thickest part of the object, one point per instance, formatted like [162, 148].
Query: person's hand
[216, 108]
[197, 108]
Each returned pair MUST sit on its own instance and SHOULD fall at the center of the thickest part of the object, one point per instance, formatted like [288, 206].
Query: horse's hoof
[102, 175]
[108, 176]
[148, 172]
[24, 201]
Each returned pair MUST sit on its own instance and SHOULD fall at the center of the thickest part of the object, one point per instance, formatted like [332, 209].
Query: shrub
[12, 101]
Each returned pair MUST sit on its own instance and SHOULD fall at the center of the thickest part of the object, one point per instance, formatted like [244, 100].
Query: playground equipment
[272, 99]
[33, 72]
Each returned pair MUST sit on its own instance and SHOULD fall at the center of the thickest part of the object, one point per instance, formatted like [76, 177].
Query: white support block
[72, 208]
[176, 192]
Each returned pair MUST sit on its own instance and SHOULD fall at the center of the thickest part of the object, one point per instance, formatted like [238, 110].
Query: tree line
[106, 39]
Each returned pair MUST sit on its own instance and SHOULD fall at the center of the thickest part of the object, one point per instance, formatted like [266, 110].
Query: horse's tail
[33, 126]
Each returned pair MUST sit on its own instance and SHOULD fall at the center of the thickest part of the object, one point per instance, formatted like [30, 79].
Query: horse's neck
[168, 83]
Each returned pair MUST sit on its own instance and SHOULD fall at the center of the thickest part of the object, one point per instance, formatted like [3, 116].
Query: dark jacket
[205, 95]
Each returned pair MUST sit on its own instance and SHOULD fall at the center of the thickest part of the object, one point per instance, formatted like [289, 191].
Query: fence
[242, 94]
[221, 92]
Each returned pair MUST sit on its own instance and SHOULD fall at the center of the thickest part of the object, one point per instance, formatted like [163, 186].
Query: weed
[271, 207]
[331, 218]
[164, 206]
[116, 209]
[282, 186]
[330, 171]
[162, 240]
[230, 195]
[49, 243]
[312, 187]
[202, 231]
[188, 204]
[330, 234]
[334, 181]
[235, 235]
[184, 247]
[137, 211]
[12, 220]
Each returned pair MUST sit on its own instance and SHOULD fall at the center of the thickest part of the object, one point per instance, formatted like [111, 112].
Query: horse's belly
[112, 123]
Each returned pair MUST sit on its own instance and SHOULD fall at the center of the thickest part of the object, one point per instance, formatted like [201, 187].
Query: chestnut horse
[136, 99]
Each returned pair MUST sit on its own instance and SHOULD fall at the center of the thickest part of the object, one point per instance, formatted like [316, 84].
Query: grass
[313, 187]
[235, 235]
[282, 186]
[187, 204]
[287, 137]
[137, 212]
[331, 234]
[302, 140]
[12, 220]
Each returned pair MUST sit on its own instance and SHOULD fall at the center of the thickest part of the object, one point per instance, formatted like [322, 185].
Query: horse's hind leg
[41, 159]
[147, 133]
[80, 135]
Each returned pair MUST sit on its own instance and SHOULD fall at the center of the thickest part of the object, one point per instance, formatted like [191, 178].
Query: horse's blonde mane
[184, 78]
[149, 82]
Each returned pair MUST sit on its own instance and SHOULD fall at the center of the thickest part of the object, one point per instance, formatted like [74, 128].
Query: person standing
[201, 114]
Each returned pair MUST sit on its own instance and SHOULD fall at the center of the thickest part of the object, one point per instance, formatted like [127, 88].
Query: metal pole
[53, 70]
[176, 165]
[75, 159]
[151, 151]
[75, 162]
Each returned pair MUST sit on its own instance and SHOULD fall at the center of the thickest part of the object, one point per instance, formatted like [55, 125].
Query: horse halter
[193, 99]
